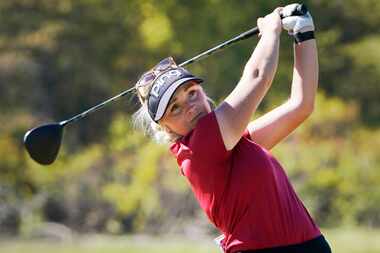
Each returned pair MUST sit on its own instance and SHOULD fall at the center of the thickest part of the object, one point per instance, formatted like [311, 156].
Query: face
[188, 104]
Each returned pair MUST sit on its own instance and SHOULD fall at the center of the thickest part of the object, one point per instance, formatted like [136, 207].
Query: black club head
[43, 142]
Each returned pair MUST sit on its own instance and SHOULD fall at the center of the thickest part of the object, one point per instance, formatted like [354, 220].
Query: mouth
[197, 117]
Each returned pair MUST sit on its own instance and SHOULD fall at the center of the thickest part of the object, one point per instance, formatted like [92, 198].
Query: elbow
[261, 75]
[305, 109]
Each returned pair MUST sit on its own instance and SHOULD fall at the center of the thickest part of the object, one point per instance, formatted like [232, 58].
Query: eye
[175, 109]
[193, 94]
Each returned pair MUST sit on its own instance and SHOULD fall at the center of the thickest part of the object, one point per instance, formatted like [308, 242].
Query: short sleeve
[206, 142]
[203, 147]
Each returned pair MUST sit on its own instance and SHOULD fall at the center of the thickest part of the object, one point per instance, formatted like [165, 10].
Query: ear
[167, 129]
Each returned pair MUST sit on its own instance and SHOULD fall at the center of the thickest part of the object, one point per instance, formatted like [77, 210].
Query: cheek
[177, 125]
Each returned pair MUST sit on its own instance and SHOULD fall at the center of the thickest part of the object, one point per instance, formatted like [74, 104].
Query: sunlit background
[114, 190]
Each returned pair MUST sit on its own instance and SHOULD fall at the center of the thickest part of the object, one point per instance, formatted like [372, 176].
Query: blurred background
[114, 190]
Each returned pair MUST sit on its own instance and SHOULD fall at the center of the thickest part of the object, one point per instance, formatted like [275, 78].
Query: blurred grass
[353, 240]
[342, 241]
[110, 244]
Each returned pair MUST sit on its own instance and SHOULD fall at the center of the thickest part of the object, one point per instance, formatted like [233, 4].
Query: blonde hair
[141, 119]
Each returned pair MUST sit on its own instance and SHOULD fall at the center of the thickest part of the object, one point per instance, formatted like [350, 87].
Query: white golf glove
[296, 24]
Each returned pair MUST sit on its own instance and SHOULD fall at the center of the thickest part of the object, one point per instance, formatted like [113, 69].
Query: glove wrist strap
[301, 37]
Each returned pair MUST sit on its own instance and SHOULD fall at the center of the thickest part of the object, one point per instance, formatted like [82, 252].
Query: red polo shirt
[244, 192]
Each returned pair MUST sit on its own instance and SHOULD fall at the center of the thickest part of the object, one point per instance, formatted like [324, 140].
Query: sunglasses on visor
[149, 76]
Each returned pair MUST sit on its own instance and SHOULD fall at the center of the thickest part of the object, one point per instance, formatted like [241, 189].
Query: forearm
[305, 76]
[258, 73]
[264, 60]
[256, 79]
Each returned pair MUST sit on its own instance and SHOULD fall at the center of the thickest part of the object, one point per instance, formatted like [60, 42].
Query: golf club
[43, 142]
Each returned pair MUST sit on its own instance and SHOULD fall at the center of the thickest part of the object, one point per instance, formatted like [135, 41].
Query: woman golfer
[238, 183]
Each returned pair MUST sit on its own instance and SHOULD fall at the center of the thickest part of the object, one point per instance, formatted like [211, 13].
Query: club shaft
[242, 36]
[96, 107]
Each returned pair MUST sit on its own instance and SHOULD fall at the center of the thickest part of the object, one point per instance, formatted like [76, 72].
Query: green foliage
[59, 57]
[334, 164]
[156, 28]
[140, 168]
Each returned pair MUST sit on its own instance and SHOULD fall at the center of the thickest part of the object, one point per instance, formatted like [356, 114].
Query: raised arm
[275, 125]
[234, 113]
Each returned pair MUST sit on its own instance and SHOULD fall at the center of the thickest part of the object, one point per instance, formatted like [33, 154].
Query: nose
[190, 110]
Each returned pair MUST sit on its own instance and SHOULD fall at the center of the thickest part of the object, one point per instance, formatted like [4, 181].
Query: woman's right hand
[271, 23]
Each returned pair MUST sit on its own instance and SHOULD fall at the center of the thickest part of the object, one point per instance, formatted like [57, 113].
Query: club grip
[300, 10]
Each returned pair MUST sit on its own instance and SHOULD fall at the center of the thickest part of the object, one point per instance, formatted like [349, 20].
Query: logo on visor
[168, 77]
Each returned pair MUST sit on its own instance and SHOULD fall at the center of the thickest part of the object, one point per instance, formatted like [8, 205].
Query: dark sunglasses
[149, 76]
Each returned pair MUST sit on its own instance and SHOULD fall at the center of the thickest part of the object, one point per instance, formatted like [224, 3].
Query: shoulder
[203, 143]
